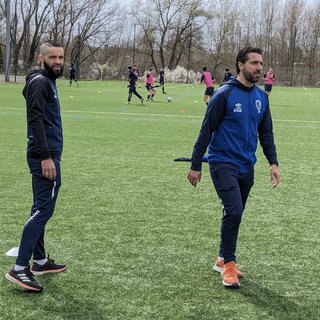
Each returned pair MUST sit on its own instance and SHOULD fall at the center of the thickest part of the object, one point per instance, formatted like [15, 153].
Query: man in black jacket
[45, 143]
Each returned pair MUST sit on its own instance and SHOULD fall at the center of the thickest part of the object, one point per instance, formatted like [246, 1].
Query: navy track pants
[45, 193]
[233, 189]
[133, 90]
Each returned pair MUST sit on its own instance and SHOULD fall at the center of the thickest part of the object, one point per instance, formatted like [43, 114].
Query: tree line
[103, 37]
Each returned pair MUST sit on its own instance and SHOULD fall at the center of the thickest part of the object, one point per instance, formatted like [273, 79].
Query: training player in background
[208, 79]
[132, 78]
[72, 74]
[227, 76]
[149, 85]
[269, 80]
[135, 70]
[161, 80]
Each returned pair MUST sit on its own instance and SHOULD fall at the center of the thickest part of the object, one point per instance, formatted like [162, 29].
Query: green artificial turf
[139, 242]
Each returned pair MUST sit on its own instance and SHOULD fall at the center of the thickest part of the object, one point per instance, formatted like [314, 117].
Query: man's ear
[40, 60]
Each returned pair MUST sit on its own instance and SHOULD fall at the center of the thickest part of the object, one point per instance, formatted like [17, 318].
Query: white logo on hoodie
[238, 107]
[258, 105]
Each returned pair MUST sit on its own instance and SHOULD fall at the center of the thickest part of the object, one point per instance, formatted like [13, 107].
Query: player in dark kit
[72, 74]
[161, 80]
[227, 76]
[132, 78]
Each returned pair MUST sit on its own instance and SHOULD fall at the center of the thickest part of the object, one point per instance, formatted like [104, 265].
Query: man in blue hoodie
[45, 142]
[237, 117]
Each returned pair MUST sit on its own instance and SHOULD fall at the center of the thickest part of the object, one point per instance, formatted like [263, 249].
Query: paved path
[19, 79]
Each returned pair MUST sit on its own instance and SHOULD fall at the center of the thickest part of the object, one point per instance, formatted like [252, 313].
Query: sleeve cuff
[45, 155]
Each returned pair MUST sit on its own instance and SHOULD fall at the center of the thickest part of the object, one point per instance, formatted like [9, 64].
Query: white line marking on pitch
[159, 115]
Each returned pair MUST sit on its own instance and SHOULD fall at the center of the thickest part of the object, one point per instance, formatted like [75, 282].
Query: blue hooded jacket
[236, 118]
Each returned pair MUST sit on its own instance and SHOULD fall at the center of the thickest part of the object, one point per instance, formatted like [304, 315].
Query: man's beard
[53, 73]
[251, 77]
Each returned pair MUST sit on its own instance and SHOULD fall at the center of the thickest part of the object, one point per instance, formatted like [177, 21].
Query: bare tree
[311, 35]
[269, 26]
[189, 33]
[166, 31]
[20, 28]
[309, 42]
[39, 26]
[248, 16]
[94, 19]
[2, 17]
[290, 31]
[223, 33]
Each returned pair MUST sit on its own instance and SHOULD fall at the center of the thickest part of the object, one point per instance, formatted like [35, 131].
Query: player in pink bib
[269, 80]
[208, 79]
[149, 85]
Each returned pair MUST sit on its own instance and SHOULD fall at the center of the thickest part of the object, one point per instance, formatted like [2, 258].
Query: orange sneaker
[218, 267]
[229, 275]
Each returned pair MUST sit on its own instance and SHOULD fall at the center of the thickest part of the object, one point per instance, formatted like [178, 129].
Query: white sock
[19, 268]
[41, 262]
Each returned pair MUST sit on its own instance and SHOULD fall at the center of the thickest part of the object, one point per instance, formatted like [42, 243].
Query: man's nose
[58, 60]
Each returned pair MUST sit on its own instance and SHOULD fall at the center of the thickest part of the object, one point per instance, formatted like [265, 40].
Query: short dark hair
[204, 69]
[243, 55]
[129, 67]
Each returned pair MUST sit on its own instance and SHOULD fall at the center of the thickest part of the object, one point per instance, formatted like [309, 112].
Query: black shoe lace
[29, 274]
[50, 260]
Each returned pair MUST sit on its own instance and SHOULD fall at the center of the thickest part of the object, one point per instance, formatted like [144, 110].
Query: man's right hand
[194, 177]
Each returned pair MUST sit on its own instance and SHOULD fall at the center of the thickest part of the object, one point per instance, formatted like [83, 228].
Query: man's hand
[194, 177]
[275, 175]
[48, 169]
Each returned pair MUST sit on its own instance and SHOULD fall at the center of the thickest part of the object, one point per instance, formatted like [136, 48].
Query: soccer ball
[169, 99]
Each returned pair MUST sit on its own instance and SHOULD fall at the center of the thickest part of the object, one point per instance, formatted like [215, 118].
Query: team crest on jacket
[238, 107]
[258, 105]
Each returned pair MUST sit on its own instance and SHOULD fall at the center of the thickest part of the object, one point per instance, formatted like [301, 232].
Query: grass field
[138, 240]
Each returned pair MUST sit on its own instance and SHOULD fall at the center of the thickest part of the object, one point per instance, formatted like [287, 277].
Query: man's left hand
[275, 175]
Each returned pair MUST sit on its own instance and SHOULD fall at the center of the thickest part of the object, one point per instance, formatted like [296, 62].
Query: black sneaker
[48, 267]
[24, 279]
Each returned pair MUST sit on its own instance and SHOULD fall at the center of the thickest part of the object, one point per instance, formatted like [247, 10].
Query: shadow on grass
[275, 304]
[55, 301]
[71, 304]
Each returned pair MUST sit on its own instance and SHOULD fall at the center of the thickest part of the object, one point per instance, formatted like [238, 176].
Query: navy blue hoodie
[45, 139]
[236, 117]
